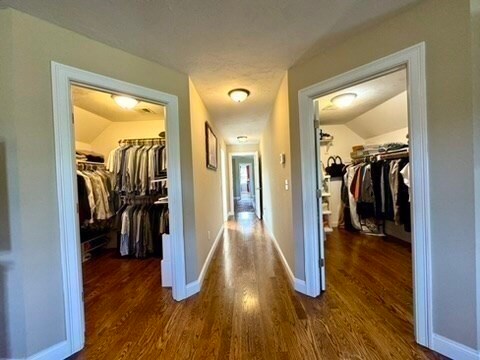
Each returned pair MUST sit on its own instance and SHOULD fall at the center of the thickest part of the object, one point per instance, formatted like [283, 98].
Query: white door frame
[414, 59]
[62, 78]
[230, 166]
[223, 160]
[247, 165]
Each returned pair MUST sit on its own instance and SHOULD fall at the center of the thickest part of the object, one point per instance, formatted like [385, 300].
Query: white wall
[394, 136]
[343, 140]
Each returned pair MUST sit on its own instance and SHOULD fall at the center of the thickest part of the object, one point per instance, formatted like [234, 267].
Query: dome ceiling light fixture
[239, 95]
[242, 138]
[125, 102]
[343, 100]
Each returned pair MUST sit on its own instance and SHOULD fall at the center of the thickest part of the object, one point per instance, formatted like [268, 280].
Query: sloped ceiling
[95, 110]
[102, 104]
[220, 44]
[88, 125]
[387, 117]
[370, 94]
[381, 106]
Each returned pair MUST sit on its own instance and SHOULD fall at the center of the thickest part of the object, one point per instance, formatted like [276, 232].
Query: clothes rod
[140, 140]
[90, 162]
[382, 156]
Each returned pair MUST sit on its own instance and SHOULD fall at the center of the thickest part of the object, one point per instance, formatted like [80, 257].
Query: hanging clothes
[142, 227]
[377, 191]
[349, 177]
[135, 166]
[95, 189]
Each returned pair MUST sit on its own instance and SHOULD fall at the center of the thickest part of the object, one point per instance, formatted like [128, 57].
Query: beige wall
[88, 125]
[475, 41]
[32, 256]
[243, 148]
[12, 307]
[277, 202]
[207, 183]
[444, 25]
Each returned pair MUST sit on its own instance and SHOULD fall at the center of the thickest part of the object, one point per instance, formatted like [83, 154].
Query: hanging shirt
[351, 200]
[406, 179]
[393, 179]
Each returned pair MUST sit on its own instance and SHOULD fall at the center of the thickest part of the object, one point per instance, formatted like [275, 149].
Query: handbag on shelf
[334, 167]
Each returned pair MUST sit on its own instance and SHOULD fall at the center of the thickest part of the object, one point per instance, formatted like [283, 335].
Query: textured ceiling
[220, 44]
[102, 104]
[370, 94]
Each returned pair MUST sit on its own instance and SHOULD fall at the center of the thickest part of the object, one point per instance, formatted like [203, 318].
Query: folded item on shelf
[88, 155]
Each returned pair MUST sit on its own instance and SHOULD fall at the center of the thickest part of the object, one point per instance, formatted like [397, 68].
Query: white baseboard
[192, 288]
[195, 286]
[54, 352]
[298, 285]
[453, 349]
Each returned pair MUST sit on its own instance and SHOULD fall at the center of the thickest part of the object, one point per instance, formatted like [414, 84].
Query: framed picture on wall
[211, 145]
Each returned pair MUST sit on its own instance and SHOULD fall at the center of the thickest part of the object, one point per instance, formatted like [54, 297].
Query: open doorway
[316, 185]
[96, 220]
[245, 187]
[122, 191]
[364, 177]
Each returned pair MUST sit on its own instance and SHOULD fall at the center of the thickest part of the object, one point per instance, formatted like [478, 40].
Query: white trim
[195, 286]
[223, 159]
[453, 349]
[414, 59]
[62, 77]
[297, 284]
[54, 352]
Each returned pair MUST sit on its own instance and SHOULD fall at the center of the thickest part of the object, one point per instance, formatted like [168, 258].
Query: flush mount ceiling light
[239, 95]
[343, 100]
[125, 102]
[242, 138]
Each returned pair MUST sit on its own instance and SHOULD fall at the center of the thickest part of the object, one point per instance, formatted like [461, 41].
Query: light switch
[286, 185]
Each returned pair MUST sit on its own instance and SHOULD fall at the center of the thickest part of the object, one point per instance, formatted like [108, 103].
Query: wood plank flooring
[247, 308]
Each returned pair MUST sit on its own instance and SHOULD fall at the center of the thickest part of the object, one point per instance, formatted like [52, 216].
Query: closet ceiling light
[242, 139]
[125, 102]
[239, 95]
[343, 100]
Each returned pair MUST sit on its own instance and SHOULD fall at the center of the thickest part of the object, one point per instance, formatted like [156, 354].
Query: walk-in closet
[121, 161]
[363, 157]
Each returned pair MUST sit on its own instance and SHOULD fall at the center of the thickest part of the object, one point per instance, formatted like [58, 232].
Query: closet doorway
[119, 190]
[351, 138]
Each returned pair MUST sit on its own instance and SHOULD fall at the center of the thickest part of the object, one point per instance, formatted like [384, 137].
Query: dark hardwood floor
[247, 308]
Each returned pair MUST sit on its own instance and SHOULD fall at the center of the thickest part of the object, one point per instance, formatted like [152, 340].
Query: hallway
[246, 308]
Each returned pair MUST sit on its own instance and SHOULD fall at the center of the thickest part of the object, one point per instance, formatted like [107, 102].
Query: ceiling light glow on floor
[239, 95]
[343, 100]
[125, 102]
